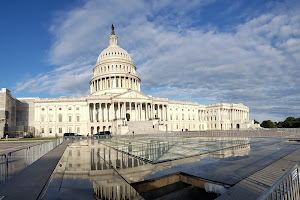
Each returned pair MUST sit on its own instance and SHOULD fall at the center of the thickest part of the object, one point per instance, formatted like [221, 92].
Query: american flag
[128, 74]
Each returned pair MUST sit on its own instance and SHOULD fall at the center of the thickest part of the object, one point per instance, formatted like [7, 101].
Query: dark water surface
[104, 169]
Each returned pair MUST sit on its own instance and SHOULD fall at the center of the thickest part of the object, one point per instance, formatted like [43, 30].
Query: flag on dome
[128, 74]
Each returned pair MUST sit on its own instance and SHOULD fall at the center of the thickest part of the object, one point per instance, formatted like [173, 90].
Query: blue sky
[207, 51]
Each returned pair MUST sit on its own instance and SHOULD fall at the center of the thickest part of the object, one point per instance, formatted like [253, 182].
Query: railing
[287, 187]
[3, 168]
[15, 161]
[273, 133]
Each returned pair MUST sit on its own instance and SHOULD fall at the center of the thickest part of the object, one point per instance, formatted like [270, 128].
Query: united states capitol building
[115, 104]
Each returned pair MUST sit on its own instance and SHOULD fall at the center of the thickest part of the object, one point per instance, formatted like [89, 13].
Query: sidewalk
[30, 182]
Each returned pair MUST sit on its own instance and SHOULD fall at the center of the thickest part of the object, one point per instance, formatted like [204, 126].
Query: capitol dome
[114, 71]
[113, 51]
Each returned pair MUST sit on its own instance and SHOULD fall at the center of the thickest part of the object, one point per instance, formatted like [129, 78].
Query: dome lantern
[113, 39]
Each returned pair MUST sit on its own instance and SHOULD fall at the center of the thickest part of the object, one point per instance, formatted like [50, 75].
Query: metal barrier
[3, 168]
[287, 187]
[15, 161]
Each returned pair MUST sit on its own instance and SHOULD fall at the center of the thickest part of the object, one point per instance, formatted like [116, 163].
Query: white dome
[113, 51]
[114, 72]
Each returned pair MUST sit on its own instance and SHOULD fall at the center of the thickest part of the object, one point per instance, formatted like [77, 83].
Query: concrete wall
[7, 111]
[25, 112]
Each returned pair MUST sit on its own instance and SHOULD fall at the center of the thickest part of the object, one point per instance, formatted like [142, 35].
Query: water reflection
[104, 169]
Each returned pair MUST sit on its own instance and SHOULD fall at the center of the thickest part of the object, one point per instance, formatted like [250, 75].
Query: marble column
[100, 115]
[167, 116]
[105, 112]
[163, 112]
[130, 111]
[121, 111]
[113, 110]
[152, 111]
[94, 112]
[118, 111]
[139, 111]
[135, 110]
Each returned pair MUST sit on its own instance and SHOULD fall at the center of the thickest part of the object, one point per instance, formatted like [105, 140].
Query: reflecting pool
[109, 168]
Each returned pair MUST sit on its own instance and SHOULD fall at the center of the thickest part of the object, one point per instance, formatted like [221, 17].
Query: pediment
[132, 95]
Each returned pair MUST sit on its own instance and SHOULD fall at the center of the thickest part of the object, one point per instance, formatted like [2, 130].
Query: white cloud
[256, 64]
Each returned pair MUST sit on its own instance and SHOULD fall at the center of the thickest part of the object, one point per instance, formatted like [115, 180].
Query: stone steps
[141, 127]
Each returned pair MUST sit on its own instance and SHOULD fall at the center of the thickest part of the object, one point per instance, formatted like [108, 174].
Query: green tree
[288, 122]
[279, 125]
[267, 124]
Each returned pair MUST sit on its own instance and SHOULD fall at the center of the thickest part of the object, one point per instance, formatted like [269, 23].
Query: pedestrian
[6, 138]
[88, 136]
[56, 135]
[133, 133]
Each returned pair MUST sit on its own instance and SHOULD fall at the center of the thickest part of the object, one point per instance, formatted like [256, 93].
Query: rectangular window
[77, 108]
[78, 129]
[77, 118]
[70, 108]
[60, 130]
[50, 130]
[43, 130]
[70, 129]
[70, 118]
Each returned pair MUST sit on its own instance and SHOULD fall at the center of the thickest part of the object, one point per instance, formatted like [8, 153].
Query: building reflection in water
[111, 166]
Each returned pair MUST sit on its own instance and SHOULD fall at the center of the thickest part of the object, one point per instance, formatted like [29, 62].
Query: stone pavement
[30, 182]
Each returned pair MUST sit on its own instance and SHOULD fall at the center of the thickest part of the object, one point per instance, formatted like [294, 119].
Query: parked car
[102, 134]
[73, 135]
[27, 135]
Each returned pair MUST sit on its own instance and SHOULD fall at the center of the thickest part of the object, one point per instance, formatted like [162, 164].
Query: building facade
[116, 104]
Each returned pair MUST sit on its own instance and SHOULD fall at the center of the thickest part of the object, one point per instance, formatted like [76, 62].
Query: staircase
[141, 127]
